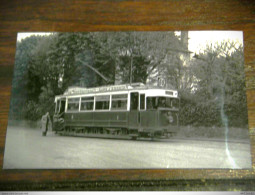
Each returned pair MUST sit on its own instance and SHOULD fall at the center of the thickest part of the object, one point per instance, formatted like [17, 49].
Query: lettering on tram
[119, 111]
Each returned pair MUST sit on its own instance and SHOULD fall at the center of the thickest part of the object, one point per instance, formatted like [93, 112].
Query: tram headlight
[171, 119]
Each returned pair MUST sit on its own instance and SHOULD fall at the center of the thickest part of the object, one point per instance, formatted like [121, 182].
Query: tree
[40, 71]
[24, 51]
[135, 55]
[219, 80]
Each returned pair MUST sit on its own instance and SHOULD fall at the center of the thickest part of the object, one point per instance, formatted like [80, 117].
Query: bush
[32, 111]
[208, 114]
[192, 113]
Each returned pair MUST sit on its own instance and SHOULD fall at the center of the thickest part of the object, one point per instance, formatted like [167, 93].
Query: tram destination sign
[81, 90]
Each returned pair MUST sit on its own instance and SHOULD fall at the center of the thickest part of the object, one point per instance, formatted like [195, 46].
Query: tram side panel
[149, 120]
[97, 119]
[145, 121]
[133, 122]
[79, 119]
[118, 119]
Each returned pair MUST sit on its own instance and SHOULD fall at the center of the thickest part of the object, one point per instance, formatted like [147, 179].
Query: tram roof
[109, 88]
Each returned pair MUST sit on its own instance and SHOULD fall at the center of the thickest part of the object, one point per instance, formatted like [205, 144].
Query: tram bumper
[168, 121]
[169, 131]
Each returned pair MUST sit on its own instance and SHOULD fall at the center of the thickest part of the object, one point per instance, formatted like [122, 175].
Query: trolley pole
[131, 67]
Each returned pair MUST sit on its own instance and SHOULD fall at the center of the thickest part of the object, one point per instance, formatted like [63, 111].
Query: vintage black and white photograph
[128, 100]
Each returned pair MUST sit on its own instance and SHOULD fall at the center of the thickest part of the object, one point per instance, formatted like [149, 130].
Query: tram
[130, 111]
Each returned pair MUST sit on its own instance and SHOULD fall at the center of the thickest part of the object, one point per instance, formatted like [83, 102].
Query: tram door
[58, 118]
[134, 111]
[62, 108]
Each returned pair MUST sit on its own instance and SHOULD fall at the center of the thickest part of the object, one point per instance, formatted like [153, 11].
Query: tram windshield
[162, 102]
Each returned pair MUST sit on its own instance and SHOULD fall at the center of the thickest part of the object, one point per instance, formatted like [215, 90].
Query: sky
[197, 39]
[23, 35]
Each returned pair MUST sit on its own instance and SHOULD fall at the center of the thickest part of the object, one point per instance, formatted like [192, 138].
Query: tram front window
[175, 103]
[162, 102]
[62, 107]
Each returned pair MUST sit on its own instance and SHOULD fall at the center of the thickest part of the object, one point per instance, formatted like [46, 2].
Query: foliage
[218, 87]
[20, 78]
[143, 52]
[32, 111]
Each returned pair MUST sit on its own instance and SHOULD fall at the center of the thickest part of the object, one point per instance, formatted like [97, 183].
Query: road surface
[26, 148]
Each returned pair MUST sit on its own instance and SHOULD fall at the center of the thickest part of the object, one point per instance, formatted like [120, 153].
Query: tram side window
[151, 103]
[87, 103]
[73, 104]
[102, 102]
[119, 102]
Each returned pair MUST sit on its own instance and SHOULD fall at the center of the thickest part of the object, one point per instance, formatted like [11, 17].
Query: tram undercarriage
[117, 133]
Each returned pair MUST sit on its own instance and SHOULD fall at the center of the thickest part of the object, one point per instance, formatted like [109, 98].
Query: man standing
[45, 123]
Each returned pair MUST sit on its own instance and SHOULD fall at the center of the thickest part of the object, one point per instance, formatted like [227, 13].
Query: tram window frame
[134, 101]
[62, 106]
[76, 102]
[153, 104]
[104, 101]
[57, 106]
[177, 103]
[120, 99]
[87, 99]
[142, 101]
[156, 101]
